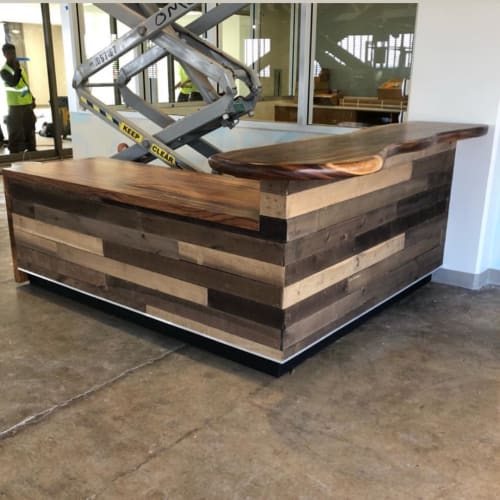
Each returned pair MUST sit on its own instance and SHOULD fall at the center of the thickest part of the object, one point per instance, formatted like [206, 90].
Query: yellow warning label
[164, 155]
[132, 133]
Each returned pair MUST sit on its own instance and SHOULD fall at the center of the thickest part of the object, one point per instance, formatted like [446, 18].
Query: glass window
[100, 30]
[156, 84]
[166, 91]
[263, 36]
[363, 62]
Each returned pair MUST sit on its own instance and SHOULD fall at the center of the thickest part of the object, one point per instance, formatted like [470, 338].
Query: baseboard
[467, 280]
[494, 277]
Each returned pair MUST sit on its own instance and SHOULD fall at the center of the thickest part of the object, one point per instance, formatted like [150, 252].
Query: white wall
[37, 65]
[491, 254]
[456, 77]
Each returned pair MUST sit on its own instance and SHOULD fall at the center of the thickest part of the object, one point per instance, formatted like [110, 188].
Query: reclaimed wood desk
[300, 240]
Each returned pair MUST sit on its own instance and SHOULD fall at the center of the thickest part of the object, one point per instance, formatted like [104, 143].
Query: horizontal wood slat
[58, 234]
[224, 261]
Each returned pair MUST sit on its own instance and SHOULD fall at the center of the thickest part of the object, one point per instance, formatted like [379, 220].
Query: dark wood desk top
[344, 155]
[214, 198]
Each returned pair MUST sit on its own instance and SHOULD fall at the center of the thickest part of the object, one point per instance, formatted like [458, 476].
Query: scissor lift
[211, 70]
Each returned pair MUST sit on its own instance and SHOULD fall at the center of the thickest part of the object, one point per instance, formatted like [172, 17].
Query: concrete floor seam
[41, 416]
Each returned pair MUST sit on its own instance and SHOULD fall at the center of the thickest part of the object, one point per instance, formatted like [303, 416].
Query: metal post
[113, 29]
[306, 59]
[171, 78]
[51, 74]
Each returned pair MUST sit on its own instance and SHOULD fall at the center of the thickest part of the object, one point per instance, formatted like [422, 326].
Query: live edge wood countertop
[345, 155]
[213, 198]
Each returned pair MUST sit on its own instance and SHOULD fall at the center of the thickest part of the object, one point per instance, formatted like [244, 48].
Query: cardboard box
[392, 90]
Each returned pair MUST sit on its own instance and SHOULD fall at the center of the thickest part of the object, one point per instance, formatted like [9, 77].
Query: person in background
[20, 119]
[188, 91]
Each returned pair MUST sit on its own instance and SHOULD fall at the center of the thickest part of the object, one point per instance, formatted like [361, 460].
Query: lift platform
[211, 70]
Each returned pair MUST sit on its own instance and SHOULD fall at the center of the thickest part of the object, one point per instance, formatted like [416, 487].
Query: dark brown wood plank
[74, 203]
[438, 162]
[60, 270]
[312, 304]
[244, 308]
[222, 200]
[19, 276]
[357, 153]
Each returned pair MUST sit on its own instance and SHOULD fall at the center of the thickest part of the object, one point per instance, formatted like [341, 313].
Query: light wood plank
[306, 287]
[215, 333]
[273, 205]
[319, 197]
[59, 234]
[127, 272]
[232, 263]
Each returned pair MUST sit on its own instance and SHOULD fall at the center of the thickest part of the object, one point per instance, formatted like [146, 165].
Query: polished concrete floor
[92, 407]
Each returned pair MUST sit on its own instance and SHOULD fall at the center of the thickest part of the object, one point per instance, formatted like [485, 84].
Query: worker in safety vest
[188, 91]
[21, 119]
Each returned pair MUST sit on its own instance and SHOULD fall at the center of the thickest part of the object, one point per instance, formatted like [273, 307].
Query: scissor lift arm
[211, 70]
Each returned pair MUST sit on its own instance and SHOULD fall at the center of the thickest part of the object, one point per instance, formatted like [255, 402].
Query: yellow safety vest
[19, 95]
[188, 87]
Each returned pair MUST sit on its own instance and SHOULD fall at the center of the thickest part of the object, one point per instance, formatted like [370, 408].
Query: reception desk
[268, 261]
